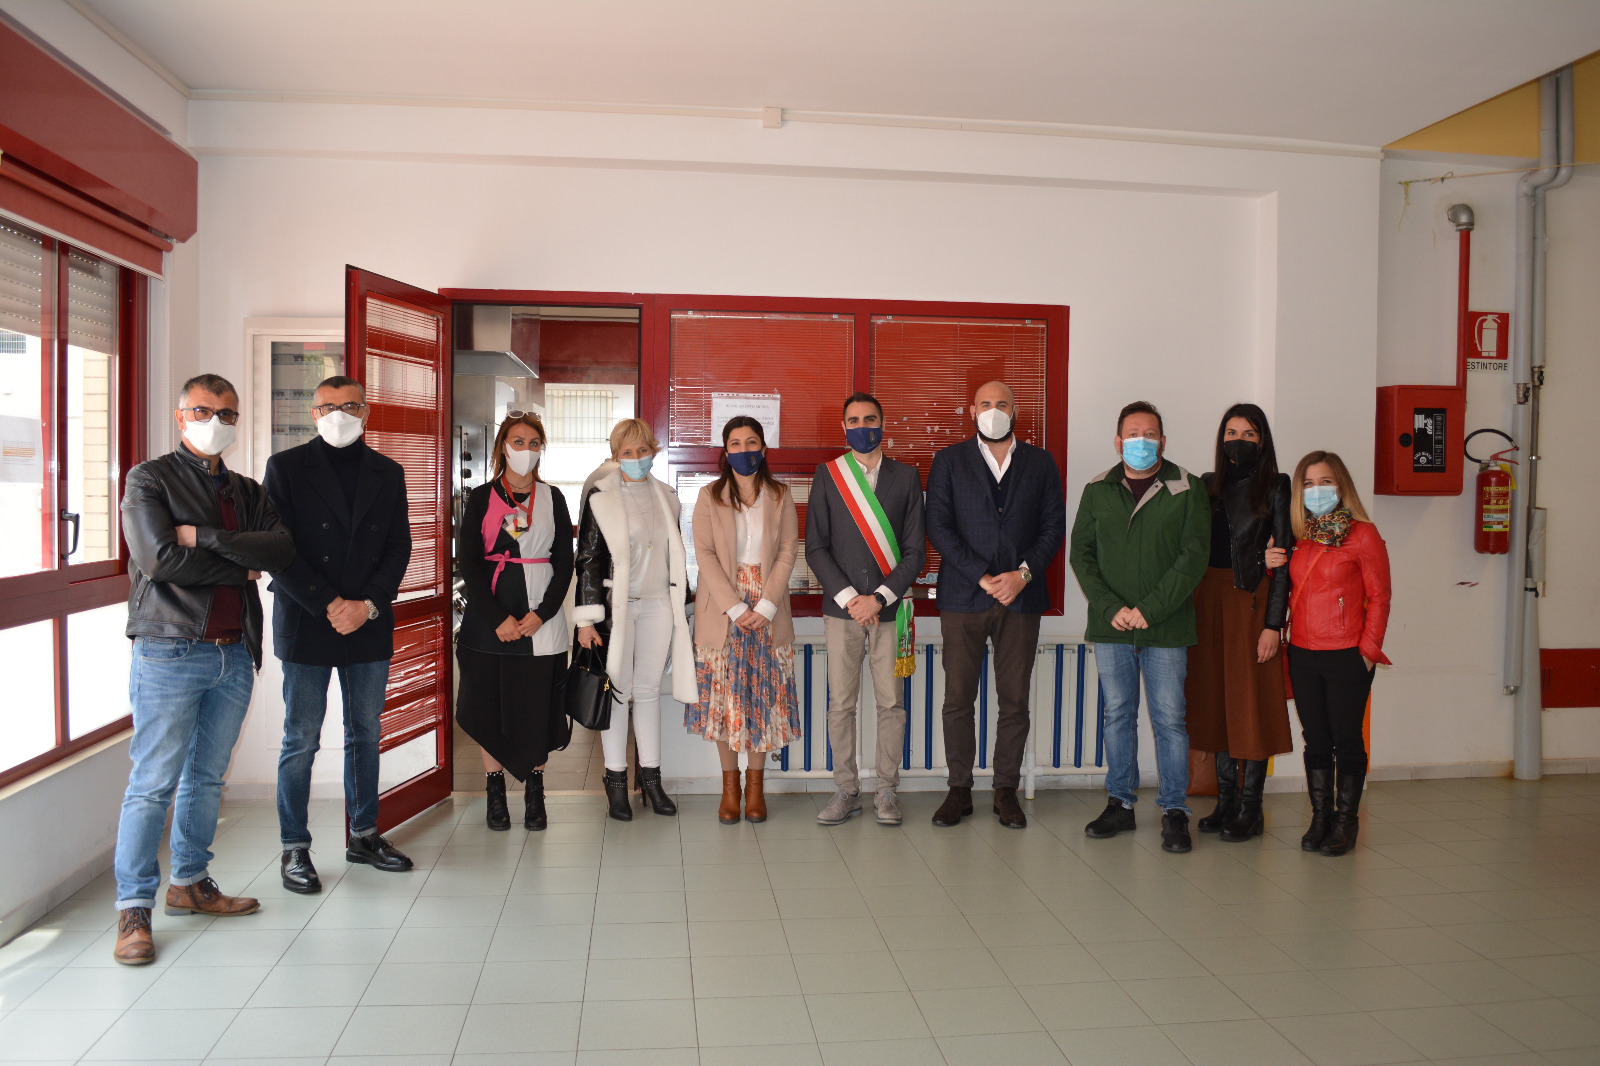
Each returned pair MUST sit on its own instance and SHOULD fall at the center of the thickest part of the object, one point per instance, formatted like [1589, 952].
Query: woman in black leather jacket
[1234, 689]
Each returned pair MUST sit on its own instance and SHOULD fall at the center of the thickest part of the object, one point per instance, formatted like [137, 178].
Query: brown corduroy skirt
[1235, 704]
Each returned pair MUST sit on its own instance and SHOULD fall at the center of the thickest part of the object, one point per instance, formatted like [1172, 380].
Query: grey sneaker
[888, 807]
[841, 807]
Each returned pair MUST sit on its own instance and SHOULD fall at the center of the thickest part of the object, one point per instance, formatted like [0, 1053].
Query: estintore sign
[764, 407]
[1488, 340]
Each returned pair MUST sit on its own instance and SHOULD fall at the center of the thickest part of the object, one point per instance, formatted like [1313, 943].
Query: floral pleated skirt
[747, 695]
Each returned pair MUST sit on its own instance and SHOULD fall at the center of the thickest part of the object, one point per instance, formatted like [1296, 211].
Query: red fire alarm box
[1419, 440]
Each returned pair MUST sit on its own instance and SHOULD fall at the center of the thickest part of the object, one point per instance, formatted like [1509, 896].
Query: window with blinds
[926, 370]
[580, 416]
[23, 455]
[91, 365]
[808, 360]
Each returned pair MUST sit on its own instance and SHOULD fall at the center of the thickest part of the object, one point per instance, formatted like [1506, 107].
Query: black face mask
[1241, 452]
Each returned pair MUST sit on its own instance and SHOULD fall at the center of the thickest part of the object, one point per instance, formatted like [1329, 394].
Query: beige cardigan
[716, 548]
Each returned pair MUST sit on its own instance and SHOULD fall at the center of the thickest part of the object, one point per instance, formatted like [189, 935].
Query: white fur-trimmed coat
[604, 505]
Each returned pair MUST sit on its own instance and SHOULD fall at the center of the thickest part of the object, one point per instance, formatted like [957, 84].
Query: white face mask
[209, 438]
[994, 424]
[339, 430]
[520, 461]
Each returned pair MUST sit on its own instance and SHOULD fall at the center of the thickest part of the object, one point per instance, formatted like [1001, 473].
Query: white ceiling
[1347, 71]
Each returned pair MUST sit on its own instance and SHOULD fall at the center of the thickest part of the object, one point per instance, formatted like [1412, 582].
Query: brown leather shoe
[957, 802]
[135, 947]
[1008, 810]
[728, 812]
[204, 897]
[755, 798]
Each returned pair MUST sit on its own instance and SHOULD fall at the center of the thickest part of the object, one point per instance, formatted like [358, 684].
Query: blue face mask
[1140, 452]
[637, 469]
[745, 463]
[1320, 499]
[863, 438]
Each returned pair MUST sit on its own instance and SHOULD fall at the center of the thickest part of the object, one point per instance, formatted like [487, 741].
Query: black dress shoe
[957, 804]
[1175, 832]
[1113, 820]
[377, 853]
[1008, 810]
[298, 873]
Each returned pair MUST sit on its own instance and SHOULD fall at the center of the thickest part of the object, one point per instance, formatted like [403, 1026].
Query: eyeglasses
[203, 414]
[354, 407]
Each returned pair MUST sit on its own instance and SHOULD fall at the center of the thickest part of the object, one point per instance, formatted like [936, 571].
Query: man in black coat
[997, 516]
[345, 505]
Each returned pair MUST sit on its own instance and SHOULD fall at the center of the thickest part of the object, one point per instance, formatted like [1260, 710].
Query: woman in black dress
[514, 553]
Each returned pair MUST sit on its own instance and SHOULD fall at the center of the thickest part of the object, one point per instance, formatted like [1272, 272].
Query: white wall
[1196, 276]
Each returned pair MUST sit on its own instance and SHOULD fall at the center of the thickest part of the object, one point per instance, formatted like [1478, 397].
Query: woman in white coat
[631, 588]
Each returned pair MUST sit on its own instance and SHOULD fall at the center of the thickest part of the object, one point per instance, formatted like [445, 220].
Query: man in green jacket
[1139, 548]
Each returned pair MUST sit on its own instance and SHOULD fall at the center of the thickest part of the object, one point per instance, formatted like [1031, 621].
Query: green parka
[1151, 555]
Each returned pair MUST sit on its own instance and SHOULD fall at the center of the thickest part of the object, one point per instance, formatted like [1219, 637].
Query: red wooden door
[397, 340]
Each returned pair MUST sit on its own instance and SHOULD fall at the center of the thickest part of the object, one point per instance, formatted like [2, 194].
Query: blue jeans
[305, 700]
[189, 700]
[1164, 669]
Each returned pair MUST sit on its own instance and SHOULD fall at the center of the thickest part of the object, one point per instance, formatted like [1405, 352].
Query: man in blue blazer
[997, 516]
[345, 505]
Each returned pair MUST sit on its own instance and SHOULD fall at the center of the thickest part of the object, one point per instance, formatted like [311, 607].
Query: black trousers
[1330, 695]
[1016, 638]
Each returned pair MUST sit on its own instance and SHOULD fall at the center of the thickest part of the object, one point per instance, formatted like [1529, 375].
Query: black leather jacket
[1248, 536]
[592, 566]
[169, 593]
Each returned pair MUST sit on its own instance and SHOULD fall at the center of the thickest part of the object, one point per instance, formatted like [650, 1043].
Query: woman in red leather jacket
[1338, 610]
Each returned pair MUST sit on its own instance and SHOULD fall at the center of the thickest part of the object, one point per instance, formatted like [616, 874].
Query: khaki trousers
[848, 643]
[1015, 637]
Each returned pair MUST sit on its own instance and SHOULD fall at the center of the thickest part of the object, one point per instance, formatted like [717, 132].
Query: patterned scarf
[1331, 528]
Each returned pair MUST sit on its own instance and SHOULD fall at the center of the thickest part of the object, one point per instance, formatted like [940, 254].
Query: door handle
[77, 523]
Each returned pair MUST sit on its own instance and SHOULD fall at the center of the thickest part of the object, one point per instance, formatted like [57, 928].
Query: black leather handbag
[586, 693]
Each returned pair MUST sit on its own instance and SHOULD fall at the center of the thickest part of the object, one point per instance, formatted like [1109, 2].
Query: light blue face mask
[1320, 499]
[1140, 452]
[638, 469]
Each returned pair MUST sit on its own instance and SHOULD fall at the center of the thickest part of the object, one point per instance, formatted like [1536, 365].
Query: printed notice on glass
[762, 406]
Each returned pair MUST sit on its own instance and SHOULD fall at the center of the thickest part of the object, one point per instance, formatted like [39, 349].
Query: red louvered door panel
[398, 339]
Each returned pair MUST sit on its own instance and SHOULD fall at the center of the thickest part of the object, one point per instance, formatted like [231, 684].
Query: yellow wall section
[1508, 124]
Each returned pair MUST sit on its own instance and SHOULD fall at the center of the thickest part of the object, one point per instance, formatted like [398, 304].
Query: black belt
[221, 641]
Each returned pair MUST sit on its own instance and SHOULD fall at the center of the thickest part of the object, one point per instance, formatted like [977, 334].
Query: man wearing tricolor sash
[997, 517]
[864, 541]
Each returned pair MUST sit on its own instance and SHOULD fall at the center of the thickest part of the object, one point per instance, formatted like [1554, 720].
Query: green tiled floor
[1466, 928]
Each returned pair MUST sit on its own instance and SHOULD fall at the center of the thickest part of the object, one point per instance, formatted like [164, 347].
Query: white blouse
[749, 530]
[535, 542]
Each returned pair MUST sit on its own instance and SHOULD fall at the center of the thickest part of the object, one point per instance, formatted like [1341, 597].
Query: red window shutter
[807, 359]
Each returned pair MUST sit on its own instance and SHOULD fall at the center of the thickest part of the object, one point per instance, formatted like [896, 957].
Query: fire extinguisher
[1491, 532]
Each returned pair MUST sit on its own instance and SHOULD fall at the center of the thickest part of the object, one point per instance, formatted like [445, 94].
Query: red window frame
[655, 388]
[65, 589]
[655, 347]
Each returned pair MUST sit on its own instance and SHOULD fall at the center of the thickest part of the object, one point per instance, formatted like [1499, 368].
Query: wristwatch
[879, 597]
[372, 610]
[1027, 575]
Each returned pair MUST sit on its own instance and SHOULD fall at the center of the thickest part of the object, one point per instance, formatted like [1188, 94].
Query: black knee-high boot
[1346, 821]
[497, 817]
[1319, 784]
[533, 816]
[1248, 821]
[1227, 795]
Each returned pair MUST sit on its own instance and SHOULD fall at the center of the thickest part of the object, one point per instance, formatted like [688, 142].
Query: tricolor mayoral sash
[864, 508]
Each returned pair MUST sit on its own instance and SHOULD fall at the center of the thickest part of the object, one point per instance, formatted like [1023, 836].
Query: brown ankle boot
[204, 897]
[728, 813]
[755, 799]
[135, 947]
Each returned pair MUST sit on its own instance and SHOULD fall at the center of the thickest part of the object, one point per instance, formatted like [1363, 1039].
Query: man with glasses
[345, 505]
[198, 537]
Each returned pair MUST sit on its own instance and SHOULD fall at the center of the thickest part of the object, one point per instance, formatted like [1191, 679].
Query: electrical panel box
[1419, 440]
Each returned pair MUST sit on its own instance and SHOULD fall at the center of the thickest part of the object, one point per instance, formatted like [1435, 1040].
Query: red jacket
[1339, 597]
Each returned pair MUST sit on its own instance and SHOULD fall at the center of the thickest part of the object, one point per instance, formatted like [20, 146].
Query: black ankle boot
[499, 818]
[533, 816]
[1247, 821]
[655, 797]
[1346, 823]
[1227, 795]
[617, 795]
[1319, 783]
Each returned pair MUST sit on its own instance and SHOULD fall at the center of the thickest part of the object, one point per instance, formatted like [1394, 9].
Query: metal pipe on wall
[1527, 367]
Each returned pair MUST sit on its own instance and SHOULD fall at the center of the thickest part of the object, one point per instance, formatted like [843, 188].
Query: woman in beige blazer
[746, 538]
